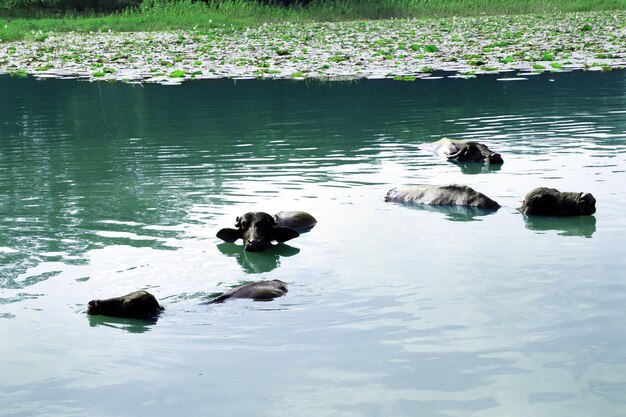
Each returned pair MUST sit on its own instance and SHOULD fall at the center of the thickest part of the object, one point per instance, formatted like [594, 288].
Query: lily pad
[177, 74]
[19, 73]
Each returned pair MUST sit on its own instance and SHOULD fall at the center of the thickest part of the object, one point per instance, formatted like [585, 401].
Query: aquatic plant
[177, 74]
[332, 50]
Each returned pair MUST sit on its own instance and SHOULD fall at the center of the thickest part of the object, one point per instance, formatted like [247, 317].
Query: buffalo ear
[283, 234]
[230, 235]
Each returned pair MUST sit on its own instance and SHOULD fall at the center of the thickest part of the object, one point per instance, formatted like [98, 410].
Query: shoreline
[404, 49]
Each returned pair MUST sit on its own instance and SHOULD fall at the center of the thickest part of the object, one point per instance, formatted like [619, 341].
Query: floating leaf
[547, 57]
[19, 73]
[415, 47]
[586, 28]
[431, 48]
[177, 74]
[507, 60]
[339, 58]
[477, 62]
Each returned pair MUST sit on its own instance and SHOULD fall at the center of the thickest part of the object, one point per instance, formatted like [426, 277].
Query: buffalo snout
[256, 245]
[587, 203]
[495, 158]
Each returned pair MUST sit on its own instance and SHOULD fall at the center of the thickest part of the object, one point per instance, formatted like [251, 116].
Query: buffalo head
[258, 230]
[475, 152]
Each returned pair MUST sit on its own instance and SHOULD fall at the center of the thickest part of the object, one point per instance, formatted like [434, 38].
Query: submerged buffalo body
[300, 221]
[136, 305]
[441, 195]
[257, 291]
[463, 151]
[258, 230]
[552, 202]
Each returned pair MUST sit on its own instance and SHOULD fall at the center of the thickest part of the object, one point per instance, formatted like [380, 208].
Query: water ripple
[506, 315]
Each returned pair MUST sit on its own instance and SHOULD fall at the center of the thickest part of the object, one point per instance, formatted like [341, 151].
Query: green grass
[164, 15]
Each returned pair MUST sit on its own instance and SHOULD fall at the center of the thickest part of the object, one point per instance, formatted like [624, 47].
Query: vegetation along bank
[405, 49]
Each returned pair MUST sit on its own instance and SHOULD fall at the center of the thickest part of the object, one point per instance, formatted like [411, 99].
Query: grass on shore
[164, 15]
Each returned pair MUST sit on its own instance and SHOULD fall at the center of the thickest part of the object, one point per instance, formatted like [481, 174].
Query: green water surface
[391, 311]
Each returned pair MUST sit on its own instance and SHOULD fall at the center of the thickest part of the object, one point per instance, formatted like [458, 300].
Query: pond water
[391, 311]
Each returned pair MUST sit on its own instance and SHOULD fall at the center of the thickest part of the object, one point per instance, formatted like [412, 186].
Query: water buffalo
[544, 201]
[441, 195]
[136, 305]
[463, 151]
[257, 291]
[258, 230]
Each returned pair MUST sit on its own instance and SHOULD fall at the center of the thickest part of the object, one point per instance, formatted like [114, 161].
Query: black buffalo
[257, 291]
[463, 151]
[442, 195]
[544, 201]
[136, 305]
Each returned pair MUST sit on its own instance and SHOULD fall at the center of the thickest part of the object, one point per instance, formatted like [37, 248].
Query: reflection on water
[129, 325]
[471, 168]
[584, 226]
[455, 213]
[257, 262]
[109, 188]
